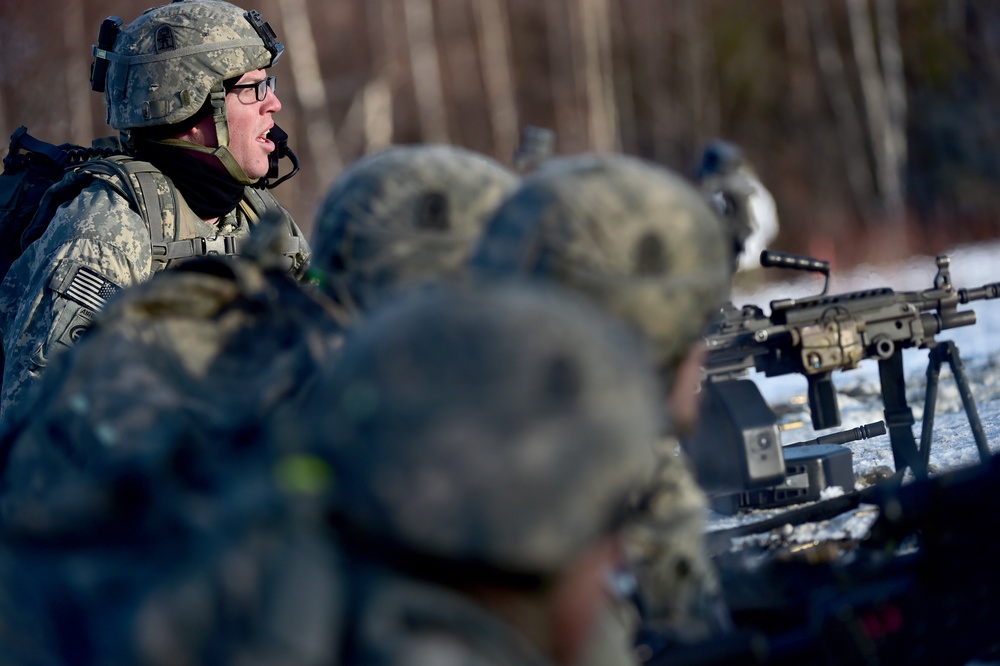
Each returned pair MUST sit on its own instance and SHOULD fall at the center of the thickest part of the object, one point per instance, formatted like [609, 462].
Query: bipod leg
[898, 415]
[934, 360]
[958, 370]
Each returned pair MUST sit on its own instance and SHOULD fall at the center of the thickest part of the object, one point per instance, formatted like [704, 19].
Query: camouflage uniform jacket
[403, 621]
[95, 246]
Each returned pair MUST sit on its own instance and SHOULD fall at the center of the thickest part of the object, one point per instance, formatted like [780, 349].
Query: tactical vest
[154, 198]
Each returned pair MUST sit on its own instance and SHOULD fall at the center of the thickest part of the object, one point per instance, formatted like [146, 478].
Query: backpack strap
[258, 203]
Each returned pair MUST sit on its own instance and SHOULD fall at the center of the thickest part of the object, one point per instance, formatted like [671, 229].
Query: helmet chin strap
[233, 168]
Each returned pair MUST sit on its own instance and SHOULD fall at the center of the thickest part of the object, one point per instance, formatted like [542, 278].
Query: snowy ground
[859, 393]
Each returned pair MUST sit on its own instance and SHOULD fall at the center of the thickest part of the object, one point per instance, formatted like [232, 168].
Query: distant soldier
[485, 443]
[727, 177]
[642, 243]
[187, 86]
[403, 216]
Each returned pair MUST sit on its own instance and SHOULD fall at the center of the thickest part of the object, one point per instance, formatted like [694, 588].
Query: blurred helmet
[167, 63]
[503, 427]
[405, 215]
[636, 238]
[729, 180]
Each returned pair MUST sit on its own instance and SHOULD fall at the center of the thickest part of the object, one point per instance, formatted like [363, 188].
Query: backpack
[30, 169]
[38, 177]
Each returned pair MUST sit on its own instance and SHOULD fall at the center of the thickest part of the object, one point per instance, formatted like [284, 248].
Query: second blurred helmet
[405, 215]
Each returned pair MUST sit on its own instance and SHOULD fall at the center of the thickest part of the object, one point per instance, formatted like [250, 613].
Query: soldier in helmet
[402, 216]
[485, 445]
[643, 244]
[186, 84]
[144, 517]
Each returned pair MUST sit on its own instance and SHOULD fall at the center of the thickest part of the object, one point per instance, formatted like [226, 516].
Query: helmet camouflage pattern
[167, 63]
[637, 238]
[501, 426]
[404, 215]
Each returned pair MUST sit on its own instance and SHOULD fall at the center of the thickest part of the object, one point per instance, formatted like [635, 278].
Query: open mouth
[263, 139]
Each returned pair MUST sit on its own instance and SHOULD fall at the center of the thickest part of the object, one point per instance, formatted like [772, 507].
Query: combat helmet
[162, 68]
[637, 238]
[495, 429]
[407, 214]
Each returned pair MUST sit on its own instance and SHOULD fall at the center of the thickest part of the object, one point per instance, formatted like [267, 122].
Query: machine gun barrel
[984, 293]
[846, 436]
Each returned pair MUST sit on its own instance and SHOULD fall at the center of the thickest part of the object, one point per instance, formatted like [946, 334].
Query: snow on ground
[858, 390]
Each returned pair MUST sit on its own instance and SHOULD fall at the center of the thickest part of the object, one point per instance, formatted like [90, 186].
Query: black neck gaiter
[208, 190]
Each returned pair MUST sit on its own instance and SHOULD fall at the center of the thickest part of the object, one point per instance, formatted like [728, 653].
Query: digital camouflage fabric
[179, 554]
[166, 63]
[480, 437]
[636, 238]
[499, 426]
[201, 353]
[95, 246]
[163, 68]
[403, 216]
[644, 245]
[156, 523]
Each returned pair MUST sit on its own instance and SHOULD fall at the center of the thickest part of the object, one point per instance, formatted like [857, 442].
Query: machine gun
[813, 337]
[922, 589]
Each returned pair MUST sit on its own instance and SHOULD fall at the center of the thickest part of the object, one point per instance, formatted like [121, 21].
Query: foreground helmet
[637, 238]
[407, 214]
[166, 64]
[500, 427]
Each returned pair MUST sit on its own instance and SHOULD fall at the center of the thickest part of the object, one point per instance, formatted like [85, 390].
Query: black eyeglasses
[260, 87]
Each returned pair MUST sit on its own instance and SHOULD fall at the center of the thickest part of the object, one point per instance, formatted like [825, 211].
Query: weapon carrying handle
[769, 259]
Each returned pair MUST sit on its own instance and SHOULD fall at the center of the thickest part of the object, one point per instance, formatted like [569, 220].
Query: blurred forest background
[875, 123]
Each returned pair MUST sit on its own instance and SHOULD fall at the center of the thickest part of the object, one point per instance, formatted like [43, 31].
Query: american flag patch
[90, 289]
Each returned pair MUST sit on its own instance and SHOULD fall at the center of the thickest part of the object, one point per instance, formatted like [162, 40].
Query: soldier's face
[249, 122]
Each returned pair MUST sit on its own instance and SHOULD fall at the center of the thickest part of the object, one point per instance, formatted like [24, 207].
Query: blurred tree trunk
[623, 83]
[700, 83]
[593, 58]
[882, 139]
[891, 56]
[493, 32]
[796, 27]
[845, 114]
[75, 43]
[426, 67]
[571, 134]
[378, 95]
[650, 21]
[320, 139]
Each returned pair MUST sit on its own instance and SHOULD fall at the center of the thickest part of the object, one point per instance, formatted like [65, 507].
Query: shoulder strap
[156, 204]
[258, 203]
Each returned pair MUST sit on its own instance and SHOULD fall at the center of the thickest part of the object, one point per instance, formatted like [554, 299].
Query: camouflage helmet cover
[167, 62]
[637, 238]
[501, 426]
[404, 215]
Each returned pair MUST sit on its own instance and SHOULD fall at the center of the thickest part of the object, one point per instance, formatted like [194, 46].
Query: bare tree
[882, 142]
[426, 69]
[649, 22]
[81, 120]
[311, 92]
[570, 124]
[849, 132]
[891, 56]
[623, 83]
[493, 31]
[378, 95]
[593, 56]
[796, 25]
